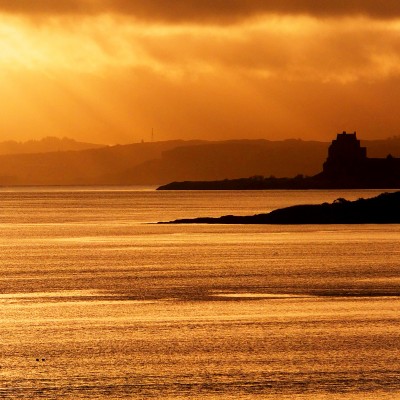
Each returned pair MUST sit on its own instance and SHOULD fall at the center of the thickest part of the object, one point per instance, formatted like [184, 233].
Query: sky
[113, 71]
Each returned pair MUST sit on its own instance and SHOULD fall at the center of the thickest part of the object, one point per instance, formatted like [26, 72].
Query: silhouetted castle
[347, 167]
[347, 162]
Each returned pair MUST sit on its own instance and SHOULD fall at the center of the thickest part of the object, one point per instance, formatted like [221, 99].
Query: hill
[103, 166]
[236, 159]
[156, 163]
[45, 145]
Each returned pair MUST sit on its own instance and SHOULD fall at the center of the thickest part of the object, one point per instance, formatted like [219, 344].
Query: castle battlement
[348, 160]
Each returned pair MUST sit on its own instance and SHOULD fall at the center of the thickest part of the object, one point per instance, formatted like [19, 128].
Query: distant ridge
[45, 145]
[111, 165]
[157, 163]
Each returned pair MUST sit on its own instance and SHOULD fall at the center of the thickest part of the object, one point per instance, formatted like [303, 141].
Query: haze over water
[114, 306]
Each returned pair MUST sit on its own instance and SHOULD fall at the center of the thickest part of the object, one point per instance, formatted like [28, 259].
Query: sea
[98, 301]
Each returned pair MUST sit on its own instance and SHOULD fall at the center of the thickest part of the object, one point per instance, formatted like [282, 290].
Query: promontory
[382, 209]
[347, 167]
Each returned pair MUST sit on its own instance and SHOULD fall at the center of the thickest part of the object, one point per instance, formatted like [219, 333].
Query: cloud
[111, 78]
[290, 48]
[206, 10]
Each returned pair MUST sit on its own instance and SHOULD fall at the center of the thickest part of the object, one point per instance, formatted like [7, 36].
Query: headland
[382, 209]
[346, 167]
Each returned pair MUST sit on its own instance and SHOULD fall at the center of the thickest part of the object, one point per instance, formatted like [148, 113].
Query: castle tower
[345, 156]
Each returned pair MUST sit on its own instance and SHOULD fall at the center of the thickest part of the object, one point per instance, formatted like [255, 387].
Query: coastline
[382, 209]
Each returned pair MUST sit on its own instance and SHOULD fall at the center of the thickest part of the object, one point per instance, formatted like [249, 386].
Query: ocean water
[99, 302]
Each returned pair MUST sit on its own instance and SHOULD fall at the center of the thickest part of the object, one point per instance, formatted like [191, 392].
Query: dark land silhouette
[383, 209]
[110, 165]
[347, 167]
[157, 163]
[45, 145]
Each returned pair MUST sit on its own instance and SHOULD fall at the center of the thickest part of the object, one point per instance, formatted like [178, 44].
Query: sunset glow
[199, 199]
[111, 71]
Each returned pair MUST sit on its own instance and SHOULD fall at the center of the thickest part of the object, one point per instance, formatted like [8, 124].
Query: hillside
[45, 145]
[87, 167]
[243, 158]
[162, 162]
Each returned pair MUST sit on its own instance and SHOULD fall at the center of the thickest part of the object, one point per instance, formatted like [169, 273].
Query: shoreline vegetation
[382, 209]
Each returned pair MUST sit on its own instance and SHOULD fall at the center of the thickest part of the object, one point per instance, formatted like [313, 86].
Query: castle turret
[345, 156]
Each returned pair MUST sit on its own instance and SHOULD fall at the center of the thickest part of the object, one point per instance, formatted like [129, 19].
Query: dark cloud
[206, 10]
[45, 6]
[339, 52]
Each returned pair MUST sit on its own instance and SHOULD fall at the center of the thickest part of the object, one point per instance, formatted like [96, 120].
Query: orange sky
[109, 71]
